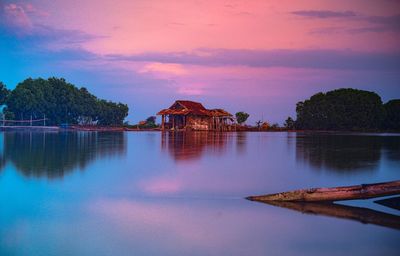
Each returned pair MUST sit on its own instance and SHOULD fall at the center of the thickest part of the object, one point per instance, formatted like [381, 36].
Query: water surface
[151, 193]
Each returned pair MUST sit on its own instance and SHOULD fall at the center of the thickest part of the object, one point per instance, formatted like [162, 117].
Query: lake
[153, 193]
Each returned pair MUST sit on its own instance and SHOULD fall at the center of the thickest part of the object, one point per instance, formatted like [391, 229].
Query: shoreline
[242, 129]
[127, 129]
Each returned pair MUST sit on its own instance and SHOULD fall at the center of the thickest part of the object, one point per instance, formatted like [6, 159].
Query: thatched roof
[186, 107]
[219, 112]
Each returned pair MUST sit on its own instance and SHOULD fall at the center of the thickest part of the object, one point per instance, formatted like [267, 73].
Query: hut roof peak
[190, 105]
[185, 107]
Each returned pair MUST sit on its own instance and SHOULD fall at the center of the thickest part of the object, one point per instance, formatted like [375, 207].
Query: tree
[259, 123]
[241, 117]
[342, 109]
[4, 92]
[27, 99]
[151, 120]
[62, 102]
[110, 113]
[88, 107]
[275, 126]
[289, 123]
[392, 115]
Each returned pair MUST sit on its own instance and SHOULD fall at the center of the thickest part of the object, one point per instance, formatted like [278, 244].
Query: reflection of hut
[190, 146]
[184, 114]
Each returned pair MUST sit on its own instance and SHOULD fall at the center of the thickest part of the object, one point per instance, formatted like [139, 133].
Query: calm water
[182, 194]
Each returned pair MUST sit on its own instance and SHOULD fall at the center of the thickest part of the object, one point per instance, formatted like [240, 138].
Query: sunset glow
[257, 56]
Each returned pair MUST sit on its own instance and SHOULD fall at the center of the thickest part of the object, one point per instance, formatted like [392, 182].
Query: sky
[261, 57]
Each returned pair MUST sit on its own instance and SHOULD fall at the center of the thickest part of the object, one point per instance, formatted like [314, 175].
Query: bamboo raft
[363, 191]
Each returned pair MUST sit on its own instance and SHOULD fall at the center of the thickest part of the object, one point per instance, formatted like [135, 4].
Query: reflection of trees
[345, 152]
[192, 145]
[241, 140]
[392, 148]
[55, 154]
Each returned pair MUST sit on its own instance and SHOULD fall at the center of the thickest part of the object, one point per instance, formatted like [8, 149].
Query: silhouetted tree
[151, 122]
[342, 109]
[62, 102]
[289, 123]
[259, 123]
[4, 92]
[392, 117]
[274, 126]
[241, 117]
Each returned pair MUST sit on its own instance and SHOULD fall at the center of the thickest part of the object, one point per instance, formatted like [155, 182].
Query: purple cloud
[327, 30]
[315, 59]
[385, 23]
[324, 14]
[15, 17]
[66, 36]
[15, 20]
[376, 24]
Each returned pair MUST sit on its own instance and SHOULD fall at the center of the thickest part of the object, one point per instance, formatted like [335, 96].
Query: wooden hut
[221, 119]
[190, 115]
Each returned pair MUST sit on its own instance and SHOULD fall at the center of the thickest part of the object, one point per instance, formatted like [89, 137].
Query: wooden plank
[360, 214]
[28, 128]
[363, 191]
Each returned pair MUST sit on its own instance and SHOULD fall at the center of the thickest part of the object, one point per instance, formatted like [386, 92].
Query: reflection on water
[186, 146]
[54, 154]
[183, 194]
[392, 148]
[345, 152]
[361, 214]
[241, 142]
[190, 146]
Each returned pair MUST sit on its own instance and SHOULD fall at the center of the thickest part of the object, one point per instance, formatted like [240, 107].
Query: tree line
[346, 109]
[60, 102]
[343, 109]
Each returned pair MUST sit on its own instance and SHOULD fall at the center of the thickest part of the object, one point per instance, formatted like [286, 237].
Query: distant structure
[190, 115]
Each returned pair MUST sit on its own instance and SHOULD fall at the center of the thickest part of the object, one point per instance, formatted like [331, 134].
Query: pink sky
[163, 26]
[257, 56]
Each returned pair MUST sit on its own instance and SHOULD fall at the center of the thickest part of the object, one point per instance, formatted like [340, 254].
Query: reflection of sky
[148, 202]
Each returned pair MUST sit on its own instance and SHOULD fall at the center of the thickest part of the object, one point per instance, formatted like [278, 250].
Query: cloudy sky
[257, 56]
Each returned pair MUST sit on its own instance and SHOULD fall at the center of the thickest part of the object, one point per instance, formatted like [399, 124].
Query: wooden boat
[363, 191]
